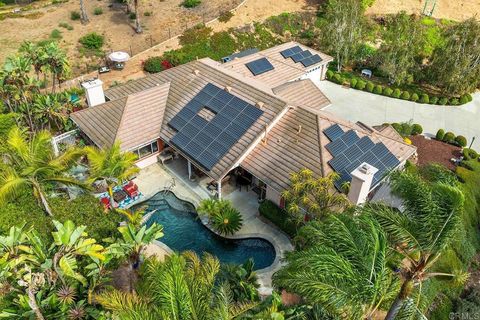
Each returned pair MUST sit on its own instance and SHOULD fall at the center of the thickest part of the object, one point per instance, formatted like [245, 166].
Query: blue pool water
[184, 231]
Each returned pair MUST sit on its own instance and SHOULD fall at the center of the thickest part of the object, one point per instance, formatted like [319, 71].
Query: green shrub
[97, 11]
[353, 82]
[360, 85]
[440, 134]
[469, 97]
[424, 98]
[414, 97]
[442, 101]
[463, 99]
[56, 34]
[388, 92]
[223, 217]
[7, 122]
[75, 15]
[416, 129]
[225, 16]
[92, 41]
[470, 304]
[65, 25]
[378, 89]
[434, 100]
[147, 13]
[449, 137]
[132, 16]
[278, 217]
[191, 3]
[308, 34]
[469, 154]
[154, 65]
[396, 93]
[330, 74]
[461, 141]
[370, 86]
[454, 102]
[406, 129]
[338, 78]
[397, 127]
[405, 95]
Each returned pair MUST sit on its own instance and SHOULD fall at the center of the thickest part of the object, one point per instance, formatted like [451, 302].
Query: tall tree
[57, 63]
[312, 195]
[111, 165]
[343, 29]
[83, 13]
[50, 111]
[456, 64]
[138, 26]
[403, 40]
[341, 266]
[32, 163]
[421, 233]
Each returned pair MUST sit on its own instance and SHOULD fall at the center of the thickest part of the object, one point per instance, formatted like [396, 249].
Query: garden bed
[434, 151]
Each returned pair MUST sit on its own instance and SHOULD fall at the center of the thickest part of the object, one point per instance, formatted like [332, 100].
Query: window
[146, 150]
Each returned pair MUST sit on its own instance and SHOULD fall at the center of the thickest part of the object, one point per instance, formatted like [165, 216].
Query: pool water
[184, 231]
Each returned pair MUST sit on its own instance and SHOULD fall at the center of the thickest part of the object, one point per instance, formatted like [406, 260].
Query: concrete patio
[157, 177]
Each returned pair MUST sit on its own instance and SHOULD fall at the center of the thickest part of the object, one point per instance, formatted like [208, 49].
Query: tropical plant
[242, 280]
[32, 163]
[313, 196]
[111, 165]
[421, 232]
[181, 287]
[342, 265]
[50, 111]
[223, 217]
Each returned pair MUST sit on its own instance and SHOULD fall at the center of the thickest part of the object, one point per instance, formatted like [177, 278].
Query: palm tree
[181, 287]
[242, 280]
[83, 13]
[422, 232]
[138, 26]
[111, 165]
[223, 217]
[51, 110]
[342, 266]
[32, 163]
[57, 63]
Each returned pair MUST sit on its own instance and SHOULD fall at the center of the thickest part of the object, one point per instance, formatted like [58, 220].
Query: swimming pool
[184, 231]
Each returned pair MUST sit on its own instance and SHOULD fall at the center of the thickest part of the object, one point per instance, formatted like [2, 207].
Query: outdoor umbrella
[118, 56]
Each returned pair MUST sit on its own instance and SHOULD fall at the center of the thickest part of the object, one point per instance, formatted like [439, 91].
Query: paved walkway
[372, 109]
[154, 178]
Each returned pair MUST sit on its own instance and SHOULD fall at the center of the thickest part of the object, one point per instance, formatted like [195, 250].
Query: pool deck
[156, 177]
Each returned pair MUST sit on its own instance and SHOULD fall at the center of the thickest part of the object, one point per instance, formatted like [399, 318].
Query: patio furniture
[213, 185]
[367, 73]
[119, 196]
[106, 202]
[131, 189]
[103, 69]
[243, 181]
[163, 157]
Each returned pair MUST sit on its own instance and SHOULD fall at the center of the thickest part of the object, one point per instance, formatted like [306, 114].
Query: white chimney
[94, 91]
[362, 178]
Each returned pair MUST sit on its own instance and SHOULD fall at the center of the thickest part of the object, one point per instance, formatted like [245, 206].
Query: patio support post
[219, 189]
[189, 170]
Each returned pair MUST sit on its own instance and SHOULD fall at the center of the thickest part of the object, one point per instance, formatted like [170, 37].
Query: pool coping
[264, 272]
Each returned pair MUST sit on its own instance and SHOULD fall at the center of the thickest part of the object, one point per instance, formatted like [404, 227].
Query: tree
[314, 196]
[242, 280]
[343, 29]
[341, 266]
[421, 233]
[138, 26]
[403, 41]
[83, 13]
[455, 65]
[32, 163]
[181, 287]
[57, 63]
[223, 217]
[50, 111]
[111, 165]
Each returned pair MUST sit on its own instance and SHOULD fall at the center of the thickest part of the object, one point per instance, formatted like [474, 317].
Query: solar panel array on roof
[349, 151]
[297, 54]
[206, 142]
[259, 66]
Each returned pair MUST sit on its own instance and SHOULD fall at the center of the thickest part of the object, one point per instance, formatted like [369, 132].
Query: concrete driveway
[373, 109]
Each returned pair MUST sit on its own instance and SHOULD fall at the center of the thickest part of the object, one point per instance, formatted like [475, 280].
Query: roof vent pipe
[264, 139]
[299, 130]
[196, 72]
[260, 105]
[228, 89]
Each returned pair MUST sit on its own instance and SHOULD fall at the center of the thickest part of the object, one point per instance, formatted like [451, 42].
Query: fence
[145, 41]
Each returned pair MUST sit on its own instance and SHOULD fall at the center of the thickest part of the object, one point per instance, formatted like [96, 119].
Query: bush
[92, 41]
[469, 97]
[97, 11]
[156, 64]
[191, 3]
[442, 101]
[378, 89]
[338, 78]
[330, 74]
[440, 134]
[461, 141]
[75, 15]
[469, 154]
[353, 82]
[454, 102]
[397, 127]
[360, 85]
[449, 137]
[225, 16]
[396, 93]
[434, 100]
[463, 99]
[147, 13]
[370, 86]
[56, 34]
[65, 25]
[278, 217]
[414, 97]
[132, 16]
[405, 95]
[388, 92]
[223, 217]
[416, 129]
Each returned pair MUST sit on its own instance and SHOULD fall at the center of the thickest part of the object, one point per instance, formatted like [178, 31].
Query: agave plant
[227, 221]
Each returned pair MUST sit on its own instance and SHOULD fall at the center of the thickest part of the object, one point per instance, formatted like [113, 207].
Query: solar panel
[352, 153]
[380, 150]
[290, 51]
[333, 132]
[259, 66]
[301, 55]
[365, 143]
[206, 142]
[350, 138]
[307, 62]
[336, 147]
[339, 163]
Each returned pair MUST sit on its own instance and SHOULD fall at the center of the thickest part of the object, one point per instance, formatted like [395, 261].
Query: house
[261, 112]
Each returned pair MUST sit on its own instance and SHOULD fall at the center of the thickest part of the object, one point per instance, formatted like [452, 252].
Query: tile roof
[285, 69]
[303, 93]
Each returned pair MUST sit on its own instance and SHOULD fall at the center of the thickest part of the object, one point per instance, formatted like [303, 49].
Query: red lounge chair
[106, 202]
[131, 189]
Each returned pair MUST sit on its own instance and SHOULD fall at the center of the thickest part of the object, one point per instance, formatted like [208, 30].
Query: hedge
[440, 134]
[278, 217]
[405, 95]
[378, 89]
[449, 137]
[414, 97]
[469, 154]
[370, 87]
[416, 129]
[388, 92]
[397, 93]
[424, 98]
[361, 85]
[461, 141]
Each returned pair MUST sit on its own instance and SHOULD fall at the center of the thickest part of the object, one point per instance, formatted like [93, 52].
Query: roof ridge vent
[260, 104]
[228, 89]
[196, 72]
